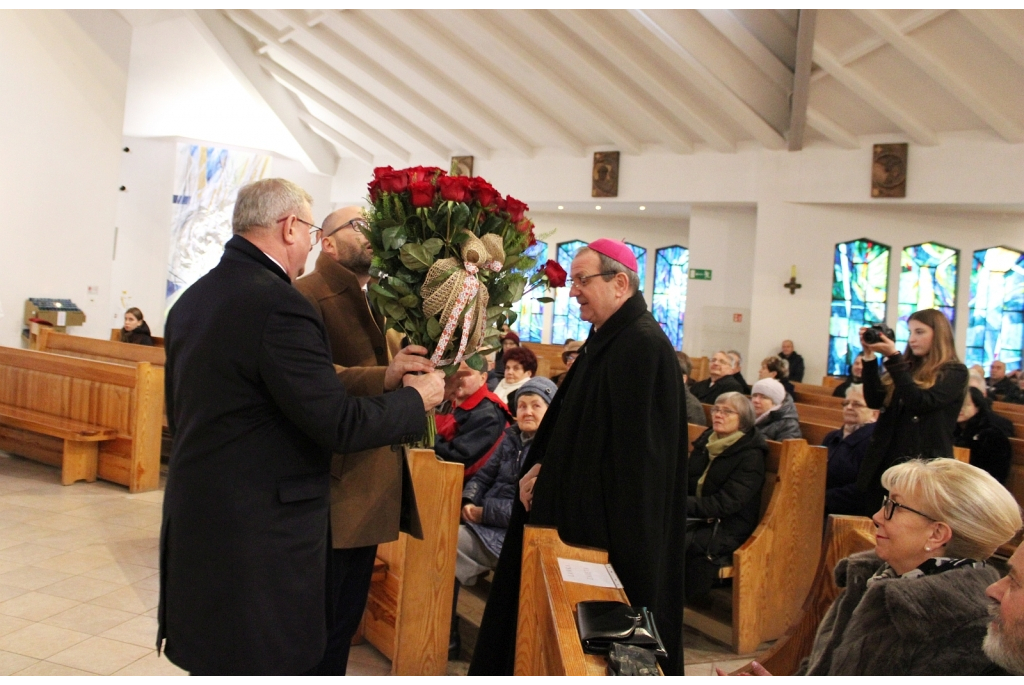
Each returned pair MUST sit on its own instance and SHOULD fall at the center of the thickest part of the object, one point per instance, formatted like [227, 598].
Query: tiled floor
[79, 582]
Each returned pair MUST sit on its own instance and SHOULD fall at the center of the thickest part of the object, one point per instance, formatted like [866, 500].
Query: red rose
[423, 173]
[394, 181]
[380, 171]
[454, 188]
[533, 240]
[555, 274]
[374, 188]
[525, 226]
[422, 193]
[484, 192]
[515, 209]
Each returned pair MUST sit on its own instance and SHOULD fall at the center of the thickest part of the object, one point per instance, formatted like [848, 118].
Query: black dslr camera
[875, 332]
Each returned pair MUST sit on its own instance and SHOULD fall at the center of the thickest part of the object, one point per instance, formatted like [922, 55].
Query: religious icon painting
[606, 175]
[462, 166]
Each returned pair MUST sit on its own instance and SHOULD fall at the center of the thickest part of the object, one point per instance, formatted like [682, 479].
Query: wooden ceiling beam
[512, 41]
[393, 47]
[831, 130]
[869, 93]
[230, 43]
[801, 79]
[753, 49]
[262, 31]
[928, 62]
[680, 139]
[330, 134]
[700, 76]
[338, 46]
[300, 86]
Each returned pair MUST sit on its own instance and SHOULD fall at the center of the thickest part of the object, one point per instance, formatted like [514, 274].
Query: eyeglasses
[889, 507]
[724, 411]
[854, 404]
[314, 230]
[358, 224]
[581, 281]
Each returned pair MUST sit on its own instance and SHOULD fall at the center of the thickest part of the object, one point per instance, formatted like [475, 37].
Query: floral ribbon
[452, 290]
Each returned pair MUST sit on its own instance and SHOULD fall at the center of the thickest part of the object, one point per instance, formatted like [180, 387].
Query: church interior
[779, 175]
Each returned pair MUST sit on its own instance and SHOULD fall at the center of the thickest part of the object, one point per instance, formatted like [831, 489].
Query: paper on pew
[588, 573]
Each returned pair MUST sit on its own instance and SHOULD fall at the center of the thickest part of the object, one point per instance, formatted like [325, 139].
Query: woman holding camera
[918, 401]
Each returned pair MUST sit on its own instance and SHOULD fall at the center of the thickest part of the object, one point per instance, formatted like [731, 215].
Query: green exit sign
[700, 274]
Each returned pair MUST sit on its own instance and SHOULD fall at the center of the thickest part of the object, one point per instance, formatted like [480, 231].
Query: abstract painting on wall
[206, 182]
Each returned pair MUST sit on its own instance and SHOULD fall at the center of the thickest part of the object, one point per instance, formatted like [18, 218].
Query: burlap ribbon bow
[452, 290]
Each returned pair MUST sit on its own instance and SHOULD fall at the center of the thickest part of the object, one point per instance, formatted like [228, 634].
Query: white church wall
[64, 76]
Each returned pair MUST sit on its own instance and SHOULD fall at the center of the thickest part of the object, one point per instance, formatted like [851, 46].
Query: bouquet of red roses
[448, 256]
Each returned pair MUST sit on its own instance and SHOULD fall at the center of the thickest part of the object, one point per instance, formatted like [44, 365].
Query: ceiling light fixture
[598, 207]
[642, 208]
[561, 207]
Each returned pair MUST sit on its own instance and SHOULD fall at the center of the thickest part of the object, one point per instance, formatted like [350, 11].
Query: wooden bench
[772, 571]
[844, 535]
[700, 369]
[56, 406]
[815, 389]
[549, 358]
[814, 433]
[831, 382]
[408, 612]
[818, 400]
[103, 350]
[547, 641]
[115, 336]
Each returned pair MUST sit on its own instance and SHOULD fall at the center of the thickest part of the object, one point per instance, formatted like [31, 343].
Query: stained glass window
[927, 280]
[995, 329]
[671, 265]
[641, 263]
[860, 278]
[529, 325]
[566, 322]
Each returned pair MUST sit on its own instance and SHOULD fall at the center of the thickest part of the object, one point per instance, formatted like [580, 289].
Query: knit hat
[511, 335]
[617, 250]
[540, 386]
[770, 388]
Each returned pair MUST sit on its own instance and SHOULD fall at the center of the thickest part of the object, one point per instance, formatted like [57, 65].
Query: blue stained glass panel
[529, 325]
[927, 280]
[860, 279]
[566, 322]
[995, 329]
[641, 263]
[671, 267]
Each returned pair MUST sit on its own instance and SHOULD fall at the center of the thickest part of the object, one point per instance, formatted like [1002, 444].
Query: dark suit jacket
[371, 491]
[707, 392]
[255, 410]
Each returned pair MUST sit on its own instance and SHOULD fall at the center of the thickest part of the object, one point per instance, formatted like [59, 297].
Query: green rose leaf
[460, 238]
[434, 328]
[545, 300]
[476, 362]
[450, 370]
[409, 301]
[515, 289]
[399, 286]
[381, 290]
[395, 311]
[433, 246]
[415, 257]
[512, 318]
[393, 237]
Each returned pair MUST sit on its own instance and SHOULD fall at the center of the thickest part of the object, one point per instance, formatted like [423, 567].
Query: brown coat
[371, 491]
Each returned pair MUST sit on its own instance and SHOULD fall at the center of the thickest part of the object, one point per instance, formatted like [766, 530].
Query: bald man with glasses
[371, 491]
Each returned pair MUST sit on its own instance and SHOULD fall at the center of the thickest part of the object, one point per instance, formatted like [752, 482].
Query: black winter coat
[844, 458]
[708, 393]
[731, 494]
[989, 446]
[918, 422]
[782, 423]
[841, 389]
[495, 487]
[139, 336]
[614, 447]
[796, 367]
[255, 409]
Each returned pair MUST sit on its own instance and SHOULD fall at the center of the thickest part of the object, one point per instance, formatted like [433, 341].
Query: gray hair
[981, 513]
[262, 203]
[609, 265]
[741, 403]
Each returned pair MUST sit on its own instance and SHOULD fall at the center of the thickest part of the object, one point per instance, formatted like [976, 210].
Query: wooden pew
[814, 389]
[408, 612]
[115, 336]
[844, 535]
[814, 433]
[826, 416]
[103, 350]
[773, 570]
[105, 418]
[700, 369]
[547, 641]
[831, 382]
[818, 400]
[549, 358]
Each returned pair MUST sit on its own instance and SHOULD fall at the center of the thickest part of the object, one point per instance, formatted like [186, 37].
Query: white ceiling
[389, 86]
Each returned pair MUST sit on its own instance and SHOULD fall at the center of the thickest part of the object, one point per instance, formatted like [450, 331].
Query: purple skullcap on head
[617, 250]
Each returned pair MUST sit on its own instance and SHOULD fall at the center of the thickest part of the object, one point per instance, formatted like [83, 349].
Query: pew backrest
[831, 382]
[549, 358]
[814, 389]
[814, 433]
[700, 369]
[115, 336]
[102, 350]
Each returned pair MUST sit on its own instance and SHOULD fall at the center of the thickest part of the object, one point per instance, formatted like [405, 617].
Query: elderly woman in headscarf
[726, 474]
[776, 414]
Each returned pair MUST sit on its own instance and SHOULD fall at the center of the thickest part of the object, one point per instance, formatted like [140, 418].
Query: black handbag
[601, 623]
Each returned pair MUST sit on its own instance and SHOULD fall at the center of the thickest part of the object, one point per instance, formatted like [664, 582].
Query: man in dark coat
[371, 491]
[720, 380]
[796, 362]
[998, 383]
[613, 446]
[255, 409]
